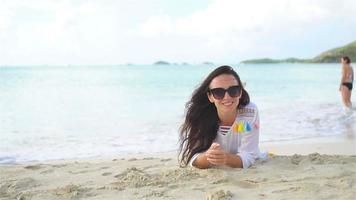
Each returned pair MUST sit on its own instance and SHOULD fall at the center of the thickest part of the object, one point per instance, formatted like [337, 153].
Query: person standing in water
[347, 78]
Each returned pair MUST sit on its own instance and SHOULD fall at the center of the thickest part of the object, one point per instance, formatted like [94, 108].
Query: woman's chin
[228, 108]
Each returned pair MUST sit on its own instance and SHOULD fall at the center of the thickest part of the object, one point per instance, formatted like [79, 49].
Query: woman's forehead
[224, 80]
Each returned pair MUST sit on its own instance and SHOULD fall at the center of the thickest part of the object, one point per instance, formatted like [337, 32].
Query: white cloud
[235, 16]
[93, 31]
[239, 25]
[58, 32]
[156, 25]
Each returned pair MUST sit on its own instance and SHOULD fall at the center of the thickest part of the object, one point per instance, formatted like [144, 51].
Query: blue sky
[144, 31]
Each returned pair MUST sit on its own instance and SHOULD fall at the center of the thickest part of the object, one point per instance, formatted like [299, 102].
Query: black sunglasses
[219, 93]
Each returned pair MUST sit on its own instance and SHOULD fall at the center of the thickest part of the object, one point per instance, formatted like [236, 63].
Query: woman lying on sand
[221, 126]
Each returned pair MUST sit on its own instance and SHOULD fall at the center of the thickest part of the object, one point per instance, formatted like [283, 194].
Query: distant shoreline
[329, 56]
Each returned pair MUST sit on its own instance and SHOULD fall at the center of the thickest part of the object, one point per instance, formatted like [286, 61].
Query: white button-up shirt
[242, 137]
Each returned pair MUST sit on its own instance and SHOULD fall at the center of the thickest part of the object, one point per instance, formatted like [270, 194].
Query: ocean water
[64, 112]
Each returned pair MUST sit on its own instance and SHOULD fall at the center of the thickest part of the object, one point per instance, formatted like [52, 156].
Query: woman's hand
[215, 155]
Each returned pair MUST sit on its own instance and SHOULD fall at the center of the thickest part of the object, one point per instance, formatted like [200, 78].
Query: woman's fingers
[218, 161]
[215, 154]
[216, 157]
[215, 146]
[215, 151]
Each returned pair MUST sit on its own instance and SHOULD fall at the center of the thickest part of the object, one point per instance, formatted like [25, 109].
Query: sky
[62, 32]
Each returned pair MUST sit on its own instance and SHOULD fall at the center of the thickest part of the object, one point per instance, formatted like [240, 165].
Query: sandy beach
[323, 168]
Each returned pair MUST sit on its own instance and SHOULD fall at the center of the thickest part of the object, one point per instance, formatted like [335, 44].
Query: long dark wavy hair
[201, 120]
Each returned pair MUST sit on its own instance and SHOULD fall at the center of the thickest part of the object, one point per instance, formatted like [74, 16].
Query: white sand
[311, 176]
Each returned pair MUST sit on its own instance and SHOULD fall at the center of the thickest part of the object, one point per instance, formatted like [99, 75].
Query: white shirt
[242, 137]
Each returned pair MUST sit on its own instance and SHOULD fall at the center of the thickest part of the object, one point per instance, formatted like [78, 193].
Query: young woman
[221, 126]
[347, 79]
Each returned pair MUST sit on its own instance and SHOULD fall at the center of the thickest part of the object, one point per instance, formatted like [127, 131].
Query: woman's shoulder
[249, 108]
[248, 112]
[251, 105]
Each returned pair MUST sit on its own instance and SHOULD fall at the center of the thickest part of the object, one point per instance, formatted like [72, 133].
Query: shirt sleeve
[249, 150]
[193, 158]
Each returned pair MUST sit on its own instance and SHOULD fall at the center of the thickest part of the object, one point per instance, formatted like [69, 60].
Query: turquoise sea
[63, 112]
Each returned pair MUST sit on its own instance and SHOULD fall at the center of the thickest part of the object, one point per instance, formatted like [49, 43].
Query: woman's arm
[343, 75]
[234, 161]
[201, 161]
[248, 150]
[353, 77]
[217, 156]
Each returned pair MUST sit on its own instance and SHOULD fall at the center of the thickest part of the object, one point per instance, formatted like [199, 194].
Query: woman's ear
[211, 99]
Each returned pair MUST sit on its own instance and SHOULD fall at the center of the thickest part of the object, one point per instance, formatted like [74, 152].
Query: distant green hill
[161, 62]
[330, 56]
[270, 60]
[334, 55]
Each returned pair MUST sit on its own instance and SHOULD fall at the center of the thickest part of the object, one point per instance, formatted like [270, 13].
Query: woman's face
[227, 103]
